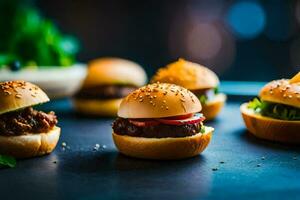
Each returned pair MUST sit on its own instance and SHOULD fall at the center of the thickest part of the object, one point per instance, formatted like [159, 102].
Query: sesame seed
[18, 96]
[7, 93]
[290, 96]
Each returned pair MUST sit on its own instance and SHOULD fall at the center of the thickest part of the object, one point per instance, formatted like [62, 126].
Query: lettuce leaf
[202, 129]
[216, 90]
[7, 161]
[274, 110]
[203, 99]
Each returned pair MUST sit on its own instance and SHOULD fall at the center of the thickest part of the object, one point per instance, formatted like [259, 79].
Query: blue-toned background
[240, 40]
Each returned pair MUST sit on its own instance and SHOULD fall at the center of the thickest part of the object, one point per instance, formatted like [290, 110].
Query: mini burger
[107, 82]
[161, 121]
[24, 131]
[198, 79]
[275, 114]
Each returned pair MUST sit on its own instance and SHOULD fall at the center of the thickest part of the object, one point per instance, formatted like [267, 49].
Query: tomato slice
[192, 120]
[144, 122]
[177, 120]
[181, 116]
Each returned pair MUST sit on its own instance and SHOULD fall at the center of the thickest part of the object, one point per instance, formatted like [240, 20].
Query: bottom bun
[269, 128]
[93, 107]
[163, 148]
[212, 108]
[31, 145]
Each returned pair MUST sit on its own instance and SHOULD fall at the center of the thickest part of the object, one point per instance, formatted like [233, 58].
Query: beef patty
[105, 92]
[26, 121]
[123, 127]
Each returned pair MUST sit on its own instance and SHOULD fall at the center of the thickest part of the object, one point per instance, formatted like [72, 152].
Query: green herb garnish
[33, 40]
[274, 110]
[216, 90]
[203, 99]
[7, 161]
[202, 129]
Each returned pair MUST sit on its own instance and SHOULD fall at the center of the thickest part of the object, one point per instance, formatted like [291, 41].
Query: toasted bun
[271, 129]
[212, 108]
[283, 92]
[108, 108]
[15, 95]
[159, 100]
[163, 148]
[187, 74]
[104, 71]
[31, 145]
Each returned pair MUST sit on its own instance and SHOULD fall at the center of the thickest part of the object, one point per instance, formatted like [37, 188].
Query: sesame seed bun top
[282, 91]
[15, 95]
[103, 71]
[159, 100]
[187, 74]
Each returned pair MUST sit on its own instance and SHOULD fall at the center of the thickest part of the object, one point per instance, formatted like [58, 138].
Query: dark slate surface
[81, 173]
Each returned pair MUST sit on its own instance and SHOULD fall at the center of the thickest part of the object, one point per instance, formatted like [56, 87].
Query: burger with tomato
[161, 121]
[275, 114]
[198, 79]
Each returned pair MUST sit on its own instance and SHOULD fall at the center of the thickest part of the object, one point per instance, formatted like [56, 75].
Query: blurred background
[247, 40]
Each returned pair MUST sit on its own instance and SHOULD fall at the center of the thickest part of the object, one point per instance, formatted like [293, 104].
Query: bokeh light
[294, 54]
[278, 15]
[203, 40]
[247, 19]
[205, 10]
[297, 11]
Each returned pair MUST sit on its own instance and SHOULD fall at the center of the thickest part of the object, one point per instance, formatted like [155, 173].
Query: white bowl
[57, 82]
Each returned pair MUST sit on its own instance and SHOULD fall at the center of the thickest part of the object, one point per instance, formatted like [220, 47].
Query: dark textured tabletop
[235, 165]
